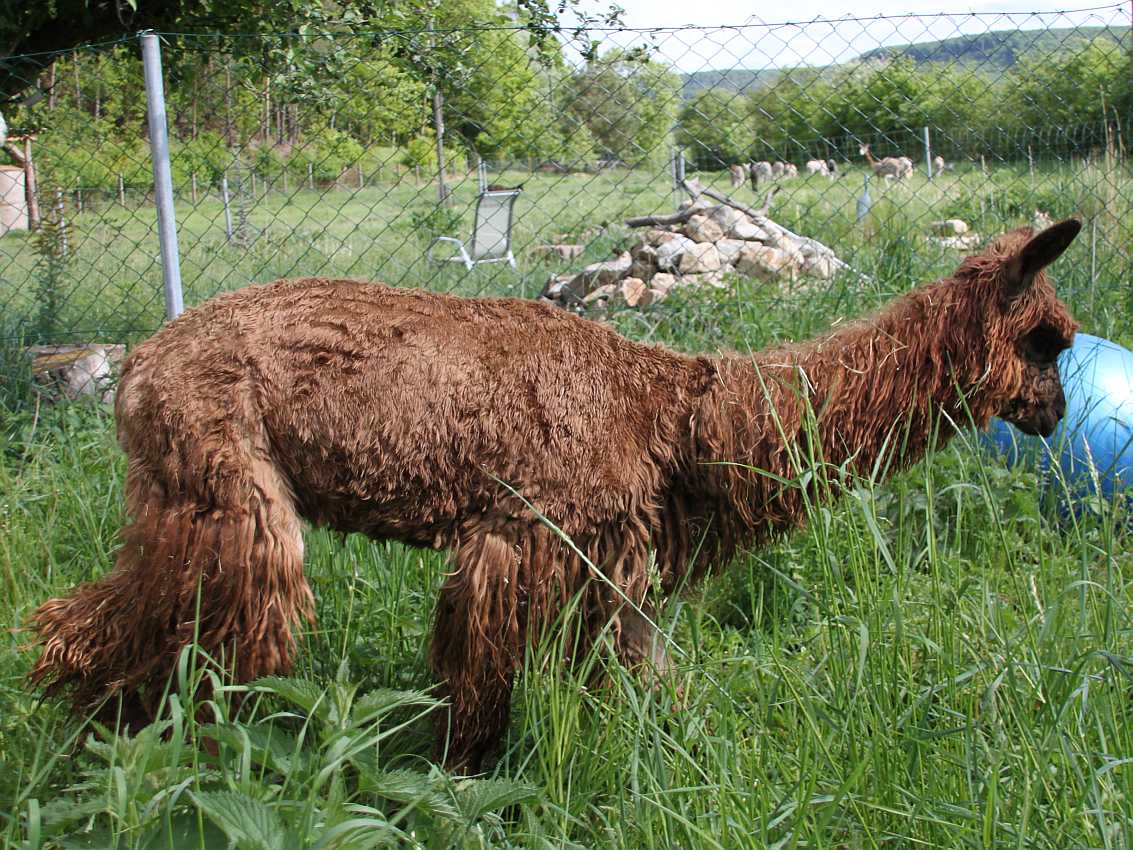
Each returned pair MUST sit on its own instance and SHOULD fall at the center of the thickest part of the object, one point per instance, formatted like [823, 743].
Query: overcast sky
[818, 32]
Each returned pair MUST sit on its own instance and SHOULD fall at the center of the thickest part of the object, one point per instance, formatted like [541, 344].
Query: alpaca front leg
[477, 646]
[641, 645]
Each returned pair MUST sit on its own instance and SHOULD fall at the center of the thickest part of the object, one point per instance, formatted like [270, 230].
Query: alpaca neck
[873, 163]
[869, 394]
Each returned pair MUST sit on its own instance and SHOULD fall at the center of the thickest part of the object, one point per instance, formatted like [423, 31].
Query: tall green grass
[938, 661]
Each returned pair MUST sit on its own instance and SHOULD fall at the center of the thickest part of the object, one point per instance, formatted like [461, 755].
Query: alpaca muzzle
[1040, 421]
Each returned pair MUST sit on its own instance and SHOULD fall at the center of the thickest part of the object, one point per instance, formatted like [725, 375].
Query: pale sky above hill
[817, 32]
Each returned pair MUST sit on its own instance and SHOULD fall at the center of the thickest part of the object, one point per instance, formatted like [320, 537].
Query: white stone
[715, 278]
[729, 249]
[964, 242]
[603, 291]
[563, 252]
[635, 292]
[950, 227]
[658, 237]
[669, 253]
[644, 261]
[748, 231]
[766, 263]
[821, 265]
[700, 257]
[727, 217]
[700, 228]
[663, 282]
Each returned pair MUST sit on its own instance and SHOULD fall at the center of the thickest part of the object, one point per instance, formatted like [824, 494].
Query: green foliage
[208, 158]
[629, 103]
[55, 247]
[1072, 88]
[714, 130]
[380, 100]
[309, 776]
[438, 221]
[420, 151]
[329, 154]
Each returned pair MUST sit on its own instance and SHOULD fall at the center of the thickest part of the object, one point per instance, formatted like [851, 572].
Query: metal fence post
[162, 176]
[227, 208]
[927, 154]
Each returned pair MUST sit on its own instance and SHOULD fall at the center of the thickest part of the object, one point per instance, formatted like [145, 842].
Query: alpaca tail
[227, 573]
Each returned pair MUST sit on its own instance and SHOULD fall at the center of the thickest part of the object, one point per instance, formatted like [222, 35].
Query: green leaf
[184, 830]
[245, 820]
[362, 832]
[272, 746]
[477, 797]
[376, 703]
[423, 792]
[300, 693]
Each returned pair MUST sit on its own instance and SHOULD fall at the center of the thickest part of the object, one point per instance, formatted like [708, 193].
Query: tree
[33, 33]
[714, 129]
[789, 117]
[629, 103]
[1072, 88]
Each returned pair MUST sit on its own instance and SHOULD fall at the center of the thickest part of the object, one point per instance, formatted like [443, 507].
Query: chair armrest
[463, 258]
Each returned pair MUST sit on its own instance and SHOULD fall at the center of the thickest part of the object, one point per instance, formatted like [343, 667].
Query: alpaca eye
[1042, 345]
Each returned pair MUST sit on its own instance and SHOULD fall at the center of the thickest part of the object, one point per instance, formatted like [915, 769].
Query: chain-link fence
[844, 155]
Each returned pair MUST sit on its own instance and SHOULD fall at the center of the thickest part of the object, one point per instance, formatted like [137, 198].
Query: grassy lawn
[935, 662]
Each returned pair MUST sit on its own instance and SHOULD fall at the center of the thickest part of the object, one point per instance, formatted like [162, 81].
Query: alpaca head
[864, 150]
[1025, 325]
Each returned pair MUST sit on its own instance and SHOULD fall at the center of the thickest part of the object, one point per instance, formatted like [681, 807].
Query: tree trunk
[30, 186]
[193, 113]
[265, 126]
[52, 96]
[229, 136]
[439, 129]
[78, 87]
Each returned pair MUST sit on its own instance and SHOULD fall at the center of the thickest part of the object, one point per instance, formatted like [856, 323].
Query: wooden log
[695, 190]
[662, 220]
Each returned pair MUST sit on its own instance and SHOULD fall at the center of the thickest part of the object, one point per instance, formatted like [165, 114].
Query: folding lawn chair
[491, 235]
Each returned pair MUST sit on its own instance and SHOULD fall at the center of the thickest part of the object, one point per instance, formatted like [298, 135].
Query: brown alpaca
[410, 415]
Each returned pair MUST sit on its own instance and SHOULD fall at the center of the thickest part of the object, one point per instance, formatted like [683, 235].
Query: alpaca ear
[1041, 250]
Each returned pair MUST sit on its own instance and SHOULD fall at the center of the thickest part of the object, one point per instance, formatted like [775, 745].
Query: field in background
[108, 288]
[935, 662]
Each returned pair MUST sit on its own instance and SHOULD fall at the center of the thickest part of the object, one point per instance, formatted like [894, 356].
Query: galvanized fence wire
[348, 155]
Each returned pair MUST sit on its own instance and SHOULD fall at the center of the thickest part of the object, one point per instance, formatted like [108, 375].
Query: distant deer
[891, 167]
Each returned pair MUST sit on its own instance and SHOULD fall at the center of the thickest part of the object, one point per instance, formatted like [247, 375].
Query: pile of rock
[703, 244]
[954, 233]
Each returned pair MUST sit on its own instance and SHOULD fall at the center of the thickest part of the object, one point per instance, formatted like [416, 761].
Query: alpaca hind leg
[477, 646]
[224, 568]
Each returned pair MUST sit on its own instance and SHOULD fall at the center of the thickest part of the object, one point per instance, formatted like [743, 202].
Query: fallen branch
[694, 189]
[661, 220]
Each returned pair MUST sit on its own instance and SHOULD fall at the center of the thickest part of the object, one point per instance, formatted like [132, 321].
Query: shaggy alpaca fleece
[411, 416]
